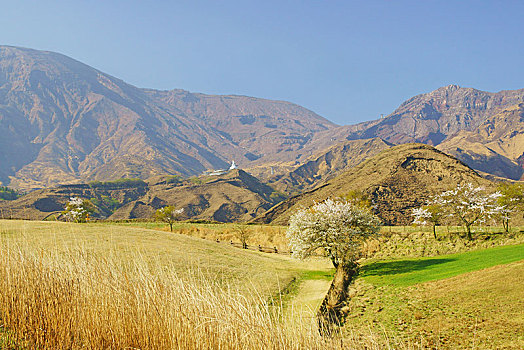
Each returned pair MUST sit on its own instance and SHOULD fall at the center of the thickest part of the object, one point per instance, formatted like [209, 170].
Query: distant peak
[450, 87]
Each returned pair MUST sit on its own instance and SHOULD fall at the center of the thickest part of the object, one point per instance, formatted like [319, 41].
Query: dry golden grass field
[101, 285]
[72, 286]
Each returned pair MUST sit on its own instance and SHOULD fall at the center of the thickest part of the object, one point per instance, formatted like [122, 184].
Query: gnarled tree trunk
[330, 313]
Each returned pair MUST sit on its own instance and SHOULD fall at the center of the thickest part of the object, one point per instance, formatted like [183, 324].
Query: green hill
[468, 300]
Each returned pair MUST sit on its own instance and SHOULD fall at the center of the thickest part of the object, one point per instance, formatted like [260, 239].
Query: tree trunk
[468, 231]
[434, 231]
[505, 223]
[171, 226]
[330, 313]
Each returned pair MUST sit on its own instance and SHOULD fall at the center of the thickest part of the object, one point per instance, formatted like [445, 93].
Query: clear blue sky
[348, 60]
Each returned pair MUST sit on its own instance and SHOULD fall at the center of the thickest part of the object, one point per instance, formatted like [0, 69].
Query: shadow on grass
[398, 267]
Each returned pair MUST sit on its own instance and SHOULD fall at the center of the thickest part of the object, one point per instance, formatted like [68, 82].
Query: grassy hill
[180, 252]
[327, 165]
[145, 285]
[396, 180]
[408, 272]
[101, 286]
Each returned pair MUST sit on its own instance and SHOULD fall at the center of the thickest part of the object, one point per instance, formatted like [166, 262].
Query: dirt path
[307, 301]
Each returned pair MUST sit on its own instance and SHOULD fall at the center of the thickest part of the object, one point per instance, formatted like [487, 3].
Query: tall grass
[74, 300]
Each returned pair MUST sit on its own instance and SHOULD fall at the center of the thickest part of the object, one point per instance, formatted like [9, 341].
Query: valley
[139, 218]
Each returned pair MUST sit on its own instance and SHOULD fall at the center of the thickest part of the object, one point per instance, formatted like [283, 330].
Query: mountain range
[63, 122]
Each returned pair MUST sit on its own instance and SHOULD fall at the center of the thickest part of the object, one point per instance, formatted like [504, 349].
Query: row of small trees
[79, 210]
[471, 205]
[170, 214]
[339, 227]
[466, 204]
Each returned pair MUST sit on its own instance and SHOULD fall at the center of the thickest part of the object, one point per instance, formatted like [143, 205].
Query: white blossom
[420, 214]
[76, 210]
[336, 228]
[468, 204]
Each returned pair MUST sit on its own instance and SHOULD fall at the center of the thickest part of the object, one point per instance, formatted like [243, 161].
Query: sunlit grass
[75, 286]
[474, 310]
[75, 300]
[405, 272]
[217, 261]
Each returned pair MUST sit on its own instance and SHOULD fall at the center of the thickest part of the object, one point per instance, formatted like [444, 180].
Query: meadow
[72, 286]
[135, 285]
[466, 300]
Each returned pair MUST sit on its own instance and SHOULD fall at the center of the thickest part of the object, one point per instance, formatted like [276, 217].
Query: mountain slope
[397, 180]
[432, 117]
[495, 147]
[328, 164]
[66, 122]
[62, 121]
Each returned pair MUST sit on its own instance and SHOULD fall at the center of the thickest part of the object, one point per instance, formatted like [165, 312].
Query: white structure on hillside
[221, 171]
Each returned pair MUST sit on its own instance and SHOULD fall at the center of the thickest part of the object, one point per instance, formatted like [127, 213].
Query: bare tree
[243, 233]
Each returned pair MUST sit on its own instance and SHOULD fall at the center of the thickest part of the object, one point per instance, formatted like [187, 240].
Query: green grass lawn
[407, 272]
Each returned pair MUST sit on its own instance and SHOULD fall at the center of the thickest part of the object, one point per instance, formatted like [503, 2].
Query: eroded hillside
[65, 122]
[233, 196]
[397, 180]
[495, 147]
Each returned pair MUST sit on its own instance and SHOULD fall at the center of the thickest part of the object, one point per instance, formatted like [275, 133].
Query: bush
[106, 204]
[9, 194]
[175, 179]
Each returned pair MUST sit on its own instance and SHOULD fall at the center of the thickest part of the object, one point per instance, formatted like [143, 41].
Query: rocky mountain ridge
[495, 147]
[433, 117]
[65, 122]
